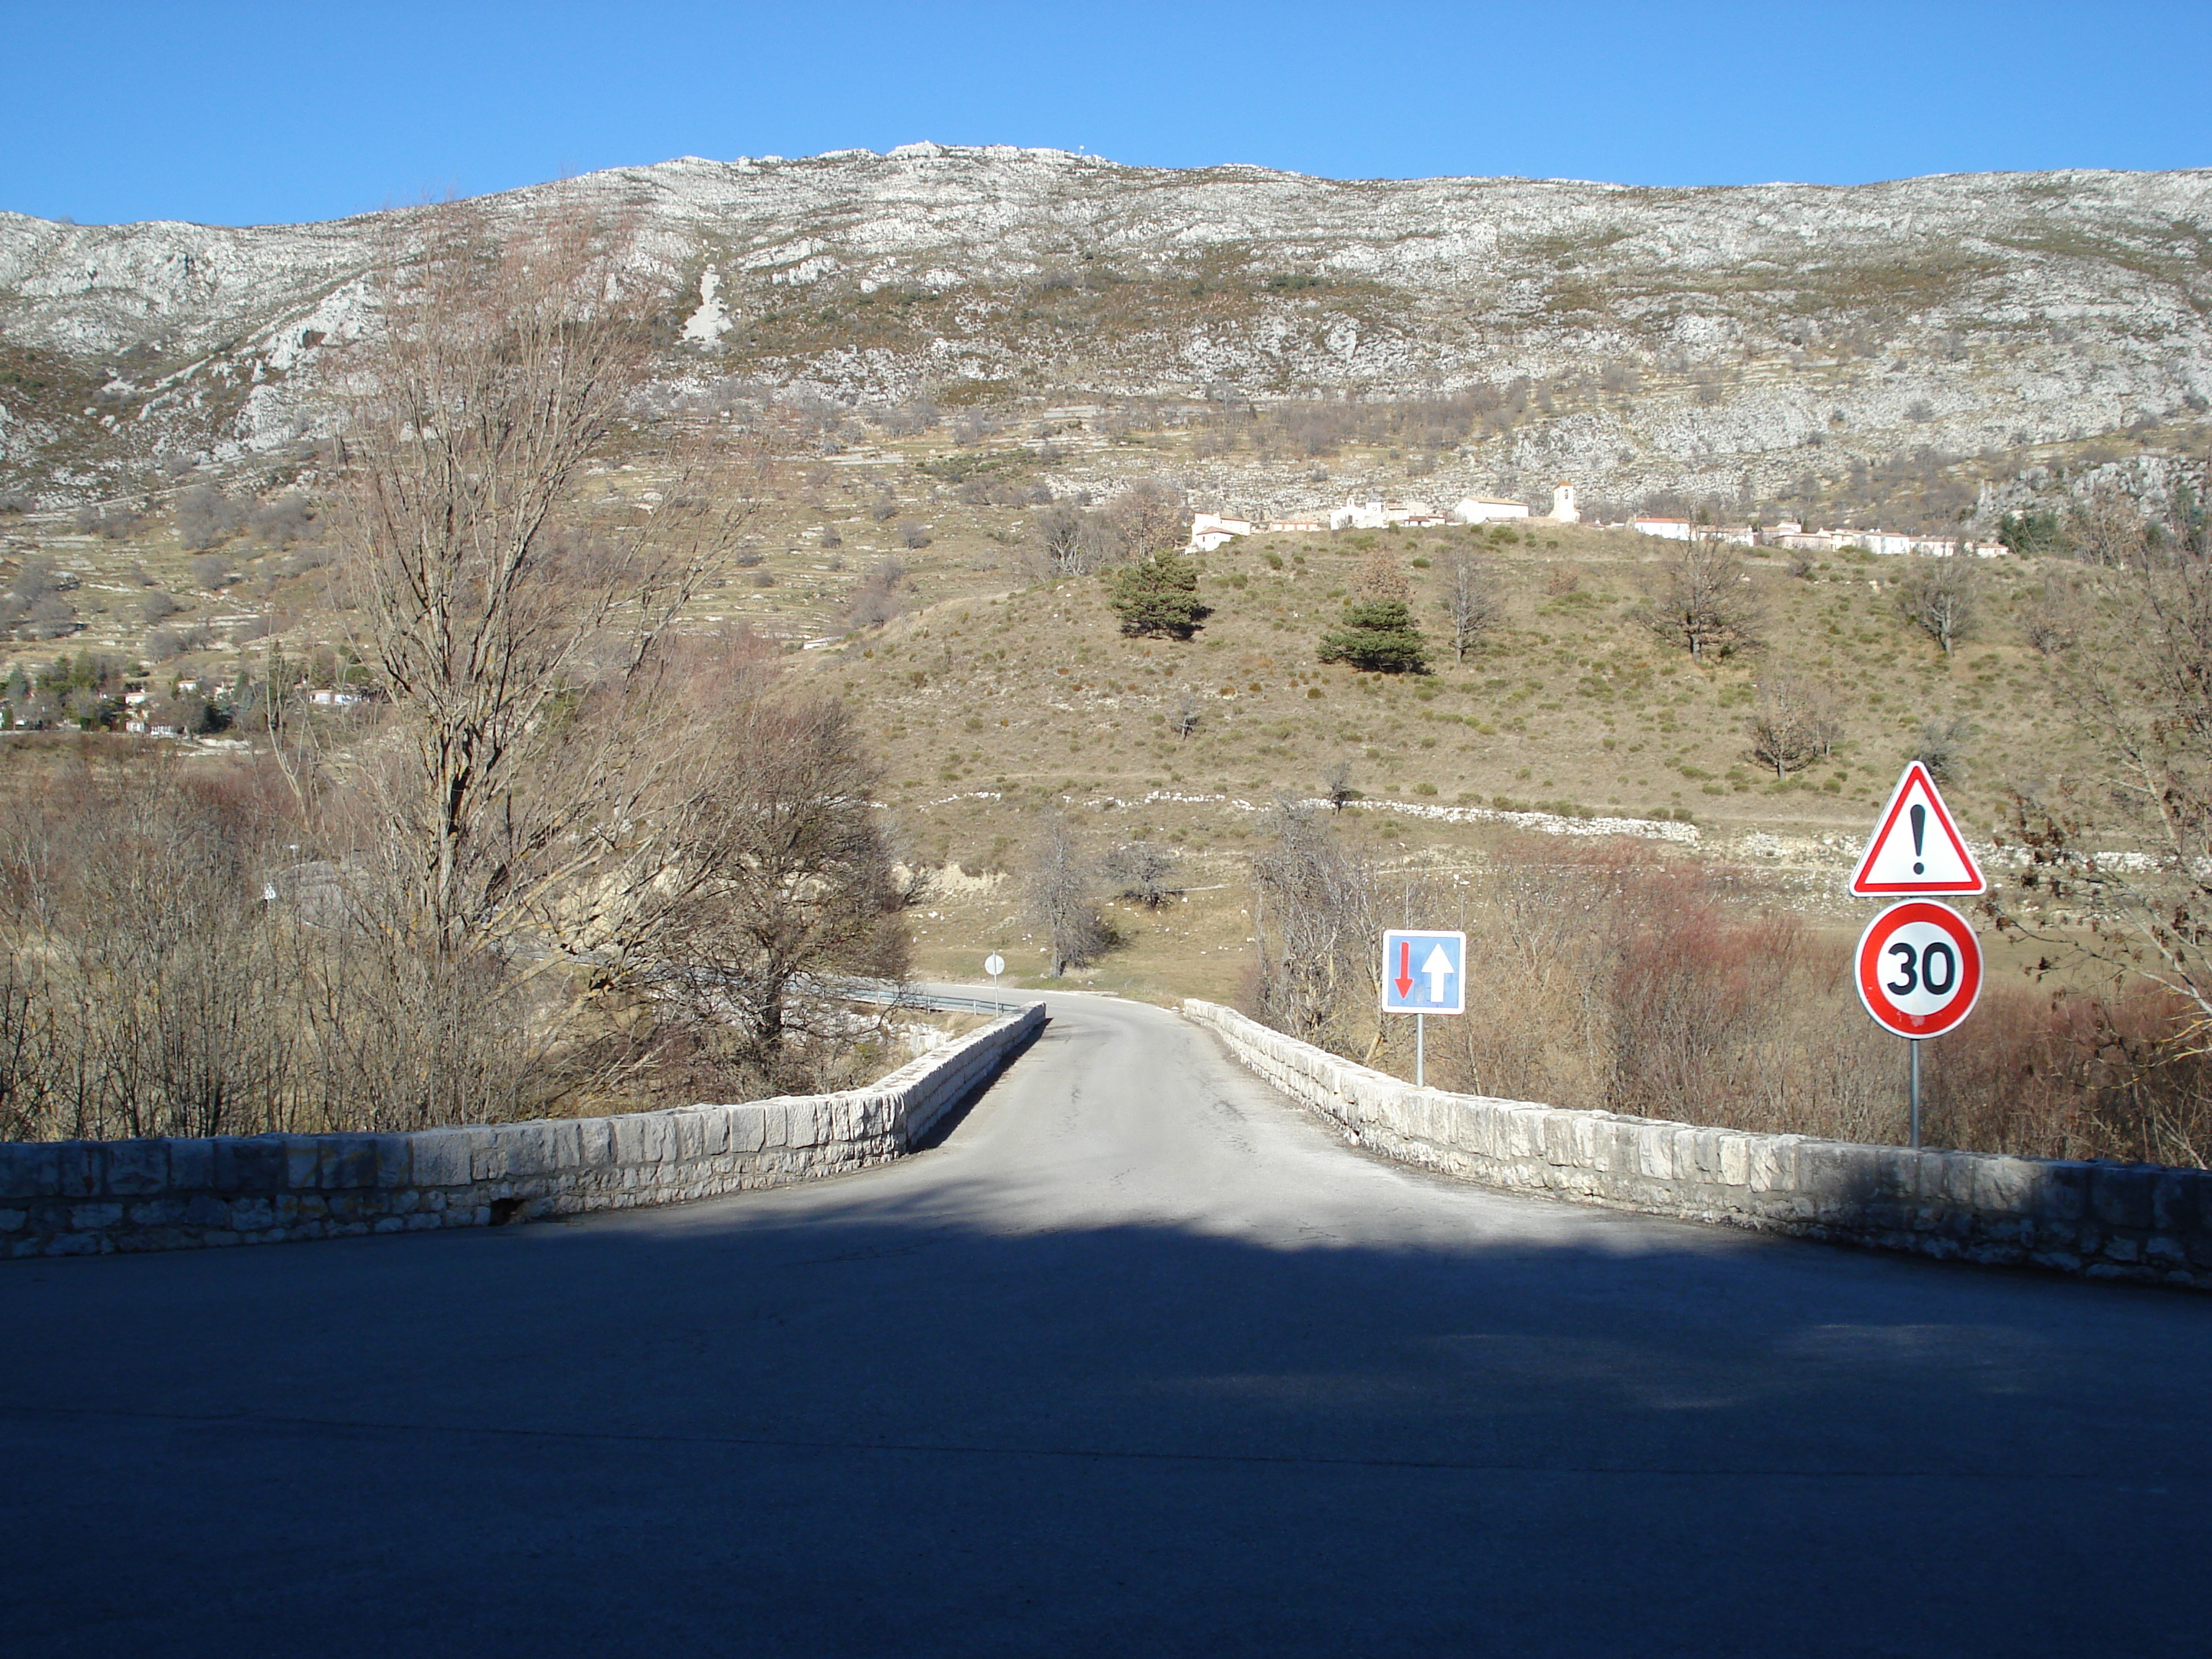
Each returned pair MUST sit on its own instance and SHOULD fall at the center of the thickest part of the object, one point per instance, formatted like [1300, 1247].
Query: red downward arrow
[1405, 980]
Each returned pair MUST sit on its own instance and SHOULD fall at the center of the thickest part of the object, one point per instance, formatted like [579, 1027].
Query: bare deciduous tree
[1703, 601]
[2133, 662]
[1470, 600]
[1145, 517]
[485, 605]
[1318, 917]
[1062, 887]
[1336, 788]
[1941, 597]
[1075, 543]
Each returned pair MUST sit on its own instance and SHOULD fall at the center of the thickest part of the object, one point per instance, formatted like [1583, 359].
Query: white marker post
[1424, 973]
[1933, 970]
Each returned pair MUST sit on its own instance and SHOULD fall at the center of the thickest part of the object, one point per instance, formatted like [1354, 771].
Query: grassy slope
[994, 699]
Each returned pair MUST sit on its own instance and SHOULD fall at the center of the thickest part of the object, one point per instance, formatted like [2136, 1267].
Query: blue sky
[236, 113]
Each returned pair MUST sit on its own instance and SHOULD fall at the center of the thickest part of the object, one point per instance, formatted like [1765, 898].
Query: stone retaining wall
[2107, 1220]
[86, 1197]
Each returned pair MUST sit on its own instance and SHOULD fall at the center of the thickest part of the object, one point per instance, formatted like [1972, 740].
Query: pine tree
[1159, 594]
[1379, 635]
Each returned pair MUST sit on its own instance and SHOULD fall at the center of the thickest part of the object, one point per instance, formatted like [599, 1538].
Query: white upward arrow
[1439, 968]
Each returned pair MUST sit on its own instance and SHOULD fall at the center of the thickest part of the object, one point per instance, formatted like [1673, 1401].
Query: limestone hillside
[1902, 351]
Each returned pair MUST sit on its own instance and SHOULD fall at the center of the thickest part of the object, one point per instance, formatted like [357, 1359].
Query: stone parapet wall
[84, 1197]
[2107, 1220]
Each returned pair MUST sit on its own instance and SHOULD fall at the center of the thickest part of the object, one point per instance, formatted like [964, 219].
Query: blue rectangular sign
[1423, 972]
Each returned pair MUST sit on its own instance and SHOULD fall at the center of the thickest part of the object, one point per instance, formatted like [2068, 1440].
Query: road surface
[1140, 1360]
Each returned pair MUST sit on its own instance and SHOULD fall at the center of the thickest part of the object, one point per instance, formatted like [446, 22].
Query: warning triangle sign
[1916, 847]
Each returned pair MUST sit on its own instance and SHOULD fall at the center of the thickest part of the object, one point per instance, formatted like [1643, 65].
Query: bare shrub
[1793, 723]
[1613, 979]
[212, 571]
[285, 522]
[50, 617]
[1188, 714]
[35, 578]
[1943, 746]
[1141, 871]
[158, 607]
[206, 518]
[112, 524]
[877, 597]
[913, 535]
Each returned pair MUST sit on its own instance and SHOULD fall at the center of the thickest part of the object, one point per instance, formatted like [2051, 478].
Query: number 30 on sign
[1919, 968]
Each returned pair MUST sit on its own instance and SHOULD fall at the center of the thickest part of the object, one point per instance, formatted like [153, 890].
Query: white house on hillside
[1481, 509]
[1376, 514]
[1564, 510]
[1208, 531]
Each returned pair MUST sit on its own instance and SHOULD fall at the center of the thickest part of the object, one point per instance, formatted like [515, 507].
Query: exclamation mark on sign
[1919, 834]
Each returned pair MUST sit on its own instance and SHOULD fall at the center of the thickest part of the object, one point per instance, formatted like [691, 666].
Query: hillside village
[1209, 532]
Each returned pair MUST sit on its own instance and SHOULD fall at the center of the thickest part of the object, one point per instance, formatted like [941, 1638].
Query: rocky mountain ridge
[1902, 344]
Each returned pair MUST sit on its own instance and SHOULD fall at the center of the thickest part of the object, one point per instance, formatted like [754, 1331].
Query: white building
[1376, 514]
[1482, 510]
[1208, 531]
[1673, 530]
[1564, 510]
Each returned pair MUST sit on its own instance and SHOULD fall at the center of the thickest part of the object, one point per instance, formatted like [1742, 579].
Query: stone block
[255, 1164]
[2173, 1199]
[30, 1169]
[1897, 1172]
[2120, 1194]
[14, 1220]
[523, 1149]
[349, 1161]
[488, 1152]
[136, 1168]
[305, 1157]
[80, 1167]
[394, 1160]
[748, 1128]
[629, 1140]
[2004, 1186]
[2063, 1195]
[191, 1166]
[1835, 1174]
[94, 1218]
[439, 1158]
[1735, 1159]
[1655, 1152]
[595, 1142]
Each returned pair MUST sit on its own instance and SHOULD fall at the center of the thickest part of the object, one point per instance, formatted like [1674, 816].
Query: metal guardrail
[897, 996]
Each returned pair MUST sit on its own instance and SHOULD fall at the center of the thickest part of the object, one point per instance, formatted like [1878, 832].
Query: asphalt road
[1140, 1360]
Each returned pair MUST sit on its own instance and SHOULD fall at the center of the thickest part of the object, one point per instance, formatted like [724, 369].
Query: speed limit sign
[1919, 968]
